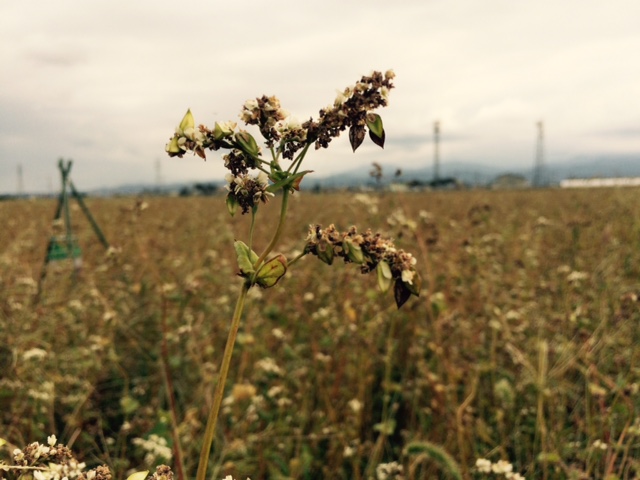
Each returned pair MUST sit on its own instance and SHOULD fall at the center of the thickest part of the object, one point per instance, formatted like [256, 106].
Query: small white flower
[51, 440]
[262, 179]
[355, 405]
[340, 99]
[251, 104]
[407, 276]
[483, 465]
[34, 354]
[502, 466]
[600, 445]
[576, 276]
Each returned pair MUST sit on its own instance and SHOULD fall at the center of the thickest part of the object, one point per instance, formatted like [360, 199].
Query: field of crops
[524, 345]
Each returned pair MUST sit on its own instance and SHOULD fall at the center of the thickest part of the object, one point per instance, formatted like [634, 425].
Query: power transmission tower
[538, 166]
[436, 152]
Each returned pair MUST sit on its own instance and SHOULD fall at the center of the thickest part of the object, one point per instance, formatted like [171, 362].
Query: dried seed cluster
[283, 135]
[366, 249]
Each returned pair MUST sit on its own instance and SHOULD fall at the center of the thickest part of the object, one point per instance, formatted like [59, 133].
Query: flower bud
[232, 204]
[223, 130]
[187, 121]
[353, 251]
[325, 252]
[172, 147]
[247, 143]
[246, 258]
[384, 276]
[272, 271]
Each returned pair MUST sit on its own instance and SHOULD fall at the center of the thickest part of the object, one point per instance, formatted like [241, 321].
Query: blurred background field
[523, 346]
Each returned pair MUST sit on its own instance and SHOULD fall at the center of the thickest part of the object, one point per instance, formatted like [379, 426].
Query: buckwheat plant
[55, 461]
[257, 173]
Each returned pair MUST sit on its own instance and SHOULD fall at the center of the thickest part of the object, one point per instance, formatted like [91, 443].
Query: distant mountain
[478, 174]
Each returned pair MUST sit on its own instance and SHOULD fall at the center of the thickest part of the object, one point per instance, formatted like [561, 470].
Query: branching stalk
[278, 233]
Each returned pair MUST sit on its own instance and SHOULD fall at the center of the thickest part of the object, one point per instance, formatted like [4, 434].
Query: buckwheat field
[520, 358]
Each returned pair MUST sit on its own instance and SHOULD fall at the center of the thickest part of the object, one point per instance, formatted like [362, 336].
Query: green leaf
[272, 271]
[376, 130]
[246, 258]
[289, 181]
[138, 475]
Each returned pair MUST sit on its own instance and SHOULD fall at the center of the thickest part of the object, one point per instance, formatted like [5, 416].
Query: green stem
[276, 236]
[296, 258]
[253, 224]
[222, 379]
[295, 165]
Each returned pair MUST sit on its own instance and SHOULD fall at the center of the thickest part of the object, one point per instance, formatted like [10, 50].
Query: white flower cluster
[268, 365]
[47, 465]
[501, 467]
[156, 448]
[66, 471]
[389, 471]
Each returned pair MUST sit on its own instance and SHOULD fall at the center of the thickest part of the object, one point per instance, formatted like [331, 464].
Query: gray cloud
[105, 83]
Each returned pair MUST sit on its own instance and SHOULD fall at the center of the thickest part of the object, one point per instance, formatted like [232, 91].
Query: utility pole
[20, 190]
[539, 157]
[436, 152]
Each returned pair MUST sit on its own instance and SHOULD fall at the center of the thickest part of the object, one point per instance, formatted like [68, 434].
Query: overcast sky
[106, 82]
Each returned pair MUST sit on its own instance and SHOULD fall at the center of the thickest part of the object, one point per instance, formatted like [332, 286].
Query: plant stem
[222, 379]
[295, 259]
[253, 224]
[276, 236]
[212, 421]
[298, 160]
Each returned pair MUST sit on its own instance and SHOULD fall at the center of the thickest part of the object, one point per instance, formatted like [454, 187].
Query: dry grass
[523, 346]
